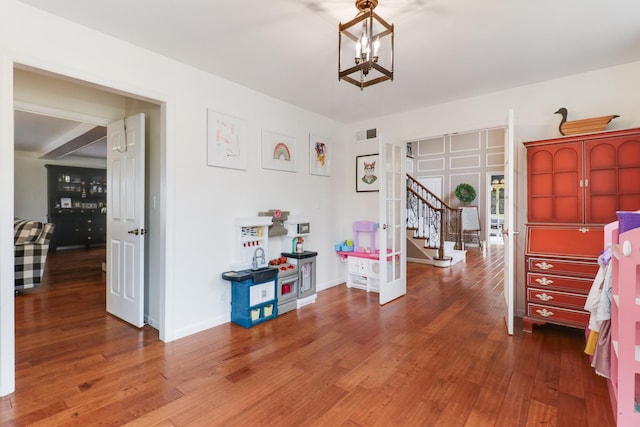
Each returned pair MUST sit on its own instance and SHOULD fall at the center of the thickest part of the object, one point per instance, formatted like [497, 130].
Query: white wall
[53, 96]
[7, 331]
[599, 93]
[356, 206]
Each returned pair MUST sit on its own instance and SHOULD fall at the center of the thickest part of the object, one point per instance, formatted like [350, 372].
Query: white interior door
[509, 230]
[125, 219]
[393, 226]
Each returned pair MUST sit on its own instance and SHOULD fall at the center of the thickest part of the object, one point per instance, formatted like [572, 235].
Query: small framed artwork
[65, 202]
[410, 150]
[226, 141]
[367, 173]
[278, 151]
[319, 155]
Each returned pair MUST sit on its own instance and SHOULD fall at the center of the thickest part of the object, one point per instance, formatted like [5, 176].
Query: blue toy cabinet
[253, 296]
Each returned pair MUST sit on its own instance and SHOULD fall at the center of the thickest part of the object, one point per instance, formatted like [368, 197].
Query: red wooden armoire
[575, 185]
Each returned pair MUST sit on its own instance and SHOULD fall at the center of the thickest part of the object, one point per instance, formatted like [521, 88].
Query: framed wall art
[226, 141]
[410, 150]
[278, 151]
[367, 168]
[319, 155]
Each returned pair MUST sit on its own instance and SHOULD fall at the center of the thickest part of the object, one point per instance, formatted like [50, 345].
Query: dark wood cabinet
[77, 205]
[575, 185]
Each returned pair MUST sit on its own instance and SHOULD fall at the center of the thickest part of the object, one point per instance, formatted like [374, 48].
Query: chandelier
[368, 39]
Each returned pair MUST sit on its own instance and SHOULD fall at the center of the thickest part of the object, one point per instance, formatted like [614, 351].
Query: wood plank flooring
[439, 356]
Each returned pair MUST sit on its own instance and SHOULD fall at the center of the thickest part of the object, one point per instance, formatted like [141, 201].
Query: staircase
[434, 229]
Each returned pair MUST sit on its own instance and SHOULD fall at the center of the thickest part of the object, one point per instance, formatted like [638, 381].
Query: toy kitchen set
[262, 289]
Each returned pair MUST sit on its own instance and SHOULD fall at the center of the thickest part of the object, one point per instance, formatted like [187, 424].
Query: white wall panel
[429, 147]
[495, 159]
[464, 162]
[430, 165]
[464, 142]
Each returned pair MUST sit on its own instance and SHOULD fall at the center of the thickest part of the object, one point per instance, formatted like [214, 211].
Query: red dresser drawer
[549, 297]
[559, 315]
[569, 241]
[551, 282]
[587, 269]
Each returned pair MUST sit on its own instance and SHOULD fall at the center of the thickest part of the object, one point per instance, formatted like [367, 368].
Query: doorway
[116, 106]
[156, 185]
[495, 208]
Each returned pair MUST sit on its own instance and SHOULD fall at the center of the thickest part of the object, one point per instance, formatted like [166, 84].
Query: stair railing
[432, 219]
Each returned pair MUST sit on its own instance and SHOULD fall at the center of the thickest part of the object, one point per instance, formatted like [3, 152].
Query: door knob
[137, 231]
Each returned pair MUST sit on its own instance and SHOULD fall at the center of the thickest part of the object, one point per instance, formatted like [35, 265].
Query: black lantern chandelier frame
[367, 30]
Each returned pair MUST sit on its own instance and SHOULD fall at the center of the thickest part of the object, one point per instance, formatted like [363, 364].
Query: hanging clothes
[598, 302]
[601, 361]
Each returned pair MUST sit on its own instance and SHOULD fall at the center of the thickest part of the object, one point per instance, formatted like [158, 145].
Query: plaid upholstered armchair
[31, 241]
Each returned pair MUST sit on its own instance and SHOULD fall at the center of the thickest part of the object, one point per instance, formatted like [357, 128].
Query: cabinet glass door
[555, 175]
[612, 178]
[69, 182]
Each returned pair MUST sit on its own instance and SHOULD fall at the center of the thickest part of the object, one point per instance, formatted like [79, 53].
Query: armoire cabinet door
[554, 177]
[613, 174]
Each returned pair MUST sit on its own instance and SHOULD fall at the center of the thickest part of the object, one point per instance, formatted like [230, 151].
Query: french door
[392, 221]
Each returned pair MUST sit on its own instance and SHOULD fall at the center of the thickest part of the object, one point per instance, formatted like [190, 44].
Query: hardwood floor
[436, 357]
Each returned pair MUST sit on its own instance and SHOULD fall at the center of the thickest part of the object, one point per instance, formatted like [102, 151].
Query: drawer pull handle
[544, 281]
[544, 297]
[583, 230]
[544, 266]
[544, 312]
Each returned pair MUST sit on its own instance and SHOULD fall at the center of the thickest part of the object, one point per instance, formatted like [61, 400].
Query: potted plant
[465, 193]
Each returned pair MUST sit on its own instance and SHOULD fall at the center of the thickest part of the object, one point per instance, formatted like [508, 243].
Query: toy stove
[287, 287]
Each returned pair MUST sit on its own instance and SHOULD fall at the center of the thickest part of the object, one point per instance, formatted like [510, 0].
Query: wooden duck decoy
[573, 127]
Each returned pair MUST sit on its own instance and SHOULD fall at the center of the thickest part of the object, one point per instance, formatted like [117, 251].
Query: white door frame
[166, 207]
[509, 231]
[7, 292]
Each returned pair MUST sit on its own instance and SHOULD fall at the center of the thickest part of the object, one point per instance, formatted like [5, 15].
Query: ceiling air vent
[363, 135]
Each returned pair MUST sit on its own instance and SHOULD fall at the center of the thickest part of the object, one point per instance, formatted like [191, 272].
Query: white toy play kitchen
[263, 289]
[297, 228]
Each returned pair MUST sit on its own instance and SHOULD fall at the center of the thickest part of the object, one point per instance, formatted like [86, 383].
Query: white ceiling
[54, 138]
[445, 49]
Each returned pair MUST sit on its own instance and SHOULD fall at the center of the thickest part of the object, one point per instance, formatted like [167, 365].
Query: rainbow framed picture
[278, 151]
